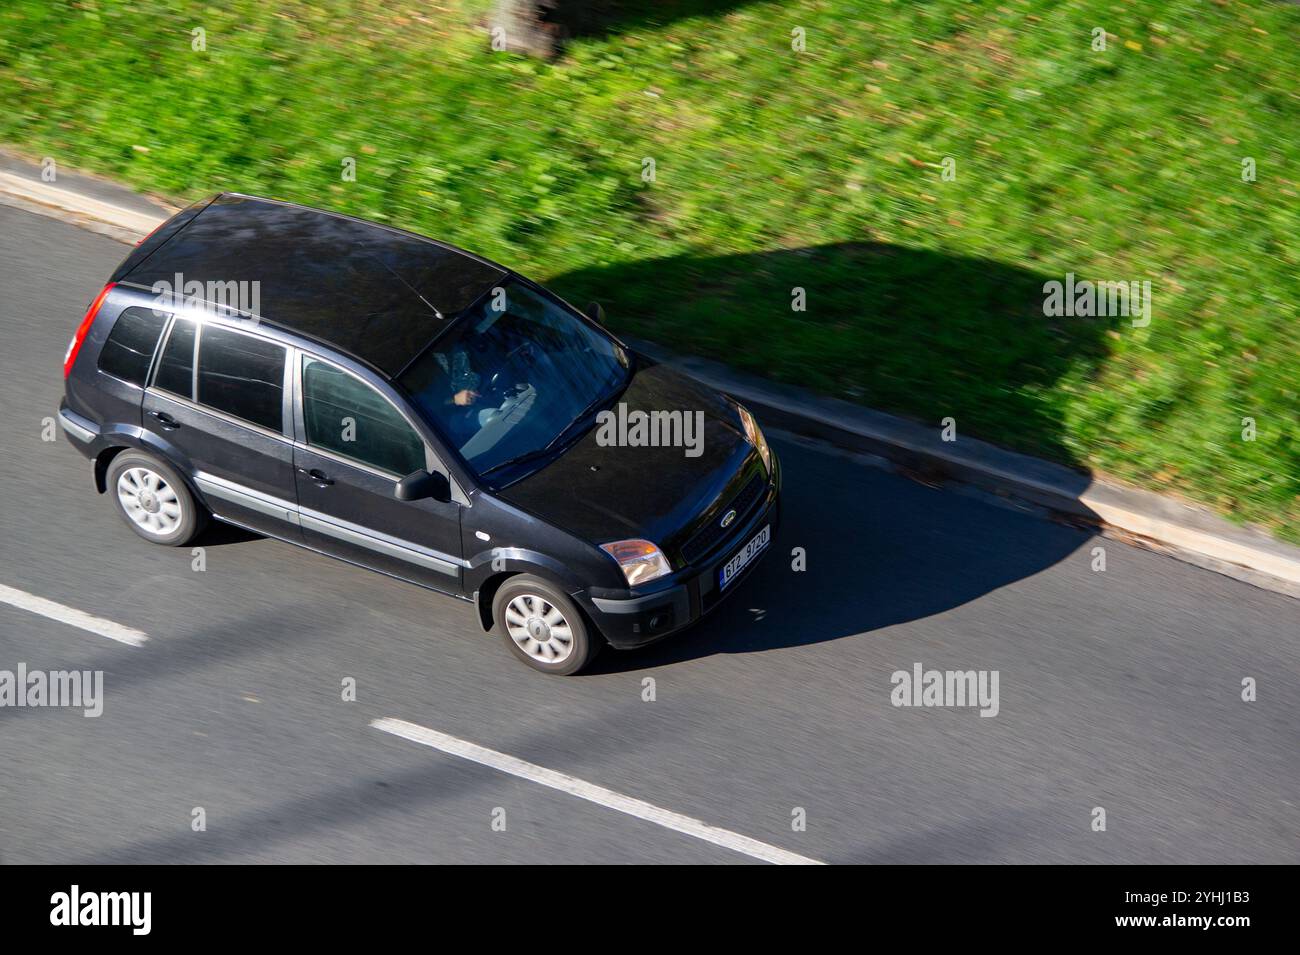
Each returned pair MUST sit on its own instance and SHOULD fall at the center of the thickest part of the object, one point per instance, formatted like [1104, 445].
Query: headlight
[640, 560]
[755, 435]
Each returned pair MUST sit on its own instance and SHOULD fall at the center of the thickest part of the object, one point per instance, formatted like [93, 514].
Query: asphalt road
[1118, 689]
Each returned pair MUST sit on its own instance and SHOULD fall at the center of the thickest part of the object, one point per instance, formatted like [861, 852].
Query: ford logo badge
[727, 518]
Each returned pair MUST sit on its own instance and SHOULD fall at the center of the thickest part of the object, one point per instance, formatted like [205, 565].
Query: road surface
[1119, 690]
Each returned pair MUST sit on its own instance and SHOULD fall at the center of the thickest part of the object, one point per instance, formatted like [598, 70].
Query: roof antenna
[433, 308]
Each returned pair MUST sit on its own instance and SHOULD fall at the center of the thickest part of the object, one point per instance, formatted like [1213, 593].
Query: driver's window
[346, 416]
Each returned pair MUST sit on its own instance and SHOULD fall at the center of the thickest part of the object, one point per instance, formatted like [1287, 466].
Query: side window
[346, 416]
[176, 366]
[242, 376]
[130, 346]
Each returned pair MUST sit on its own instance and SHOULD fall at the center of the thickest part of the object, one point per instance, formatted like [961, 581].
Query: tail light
[74, 346]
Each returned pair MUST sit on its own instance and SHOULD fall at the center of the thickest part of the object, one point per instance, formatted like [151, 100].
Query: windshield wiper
[519, 459]
[578, 419]
[559, 438]
[536, 453]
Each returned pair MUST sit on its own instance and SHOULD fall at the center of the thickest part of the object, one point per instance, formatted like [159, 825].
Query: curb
[89, 203]
[1188, 532]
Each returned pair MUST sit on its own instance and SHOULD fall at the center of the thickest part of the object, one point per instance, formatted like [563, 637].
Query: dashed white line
[591, 792]
[71, 616]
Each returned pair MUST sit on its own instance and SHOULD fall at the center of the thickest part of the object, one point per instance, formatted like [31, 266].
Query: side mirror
[421, 484]
[596, 313]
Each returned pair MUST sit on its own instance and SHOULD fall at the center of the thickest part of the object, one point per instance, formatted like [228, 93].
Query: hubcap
[539, 629]
[149, 501]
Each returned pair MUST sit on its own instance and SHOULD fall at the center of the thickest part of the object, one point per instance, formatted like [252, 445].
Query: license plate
[732, 568]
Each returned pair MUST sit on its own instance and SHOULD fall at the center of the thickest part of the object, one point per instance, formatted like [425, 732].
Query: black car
[401, 404]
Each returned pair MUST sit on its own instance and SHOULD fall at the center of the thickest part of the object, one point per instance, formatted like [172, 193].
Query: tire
[154, 500]
[527, 608]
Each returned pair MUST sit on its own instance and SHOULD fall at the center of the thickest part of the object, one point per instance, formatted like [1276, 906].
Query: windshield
[511, 376]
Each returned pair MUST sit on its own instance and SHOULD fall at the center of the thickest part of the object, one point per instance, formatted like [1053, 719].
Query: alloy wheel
[539, 629]
[149, 501]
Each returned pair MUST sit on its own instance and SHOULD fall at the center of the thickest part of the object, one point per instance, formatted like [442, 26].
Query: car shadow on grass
[601, 18]
[912, 331]
[915, 332]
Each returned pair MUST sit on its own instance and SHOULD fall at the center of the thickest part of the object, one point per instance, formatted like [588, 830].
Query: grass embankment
[776, 169]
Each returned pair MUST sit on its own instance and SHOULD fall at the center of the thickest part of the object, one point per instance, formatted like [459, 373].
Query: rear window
[129, 350]
[242, 376]
[176, 366]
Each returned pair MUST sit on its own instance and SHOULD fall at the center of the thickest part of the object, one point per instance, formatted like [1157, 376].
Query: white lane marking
[591, 792]
[71, 616]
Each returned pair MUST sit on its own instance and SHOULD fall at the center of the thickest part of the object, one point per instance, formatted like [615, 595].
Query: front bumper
[679, 601]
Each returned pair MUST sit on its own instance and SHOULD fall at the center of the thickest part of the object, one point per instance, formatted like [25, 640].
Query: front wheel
[543, 627]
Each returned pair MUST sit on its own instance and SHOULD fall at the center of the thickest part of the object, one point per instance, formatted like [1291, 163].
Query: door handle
[165, 420]
[318, 476]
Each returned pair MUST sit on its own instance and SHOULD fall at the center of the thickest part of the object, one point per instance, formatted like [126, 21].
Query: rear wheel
[153, 499]
[543, 627]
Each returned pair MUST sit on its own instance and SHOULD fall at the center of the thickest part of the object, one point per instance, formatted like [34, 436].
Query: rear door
[221, 398]
[354, 445]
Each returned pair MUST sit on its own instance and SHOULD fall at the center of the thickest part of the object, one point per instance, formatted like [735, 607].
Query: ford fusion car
[409, 407]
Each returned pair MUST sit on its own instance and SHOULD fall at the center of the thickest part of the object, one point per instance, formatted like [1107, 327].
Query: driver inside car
[462, 380]
[461, 383]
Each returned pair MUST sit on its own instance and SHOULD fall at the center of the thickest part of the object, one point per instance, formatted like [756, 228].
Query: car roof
[375, 293]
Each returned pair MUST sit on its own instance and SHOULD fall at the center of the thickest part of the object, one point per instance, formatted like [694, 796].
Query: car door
[219, 401]
[354, 445]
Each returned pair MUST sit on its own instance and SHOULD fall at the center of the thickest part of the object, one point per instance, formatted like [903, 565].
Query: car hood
[606, 492]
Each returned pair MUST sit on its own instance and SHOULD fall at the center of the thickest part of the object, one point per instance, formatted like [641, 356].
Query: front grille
[712, 534]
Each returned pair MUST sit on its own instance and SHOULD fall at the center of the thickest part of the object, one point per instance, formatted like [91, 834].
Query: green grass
[778, 169]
